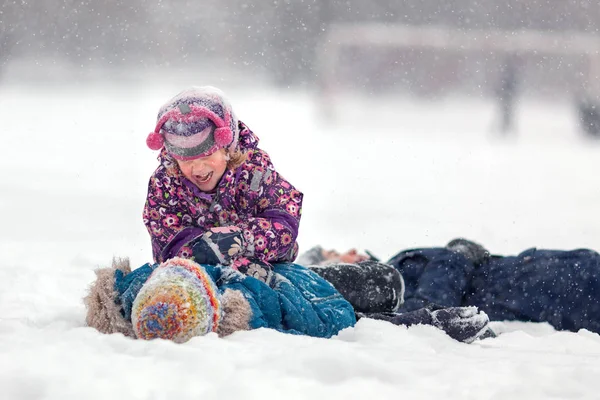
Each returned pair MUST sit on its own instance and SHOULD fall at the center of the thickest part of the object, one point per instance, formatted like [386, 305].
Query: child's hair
[236, 158]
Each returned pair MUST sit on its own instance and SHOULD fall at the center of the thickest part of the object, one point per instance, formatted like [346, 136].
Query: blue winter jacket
[297, 300]
[558, 287]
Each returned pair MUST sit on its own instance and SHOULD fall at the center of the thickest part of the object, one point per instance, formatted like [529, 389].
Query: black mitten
[464, 324]
[219, 246]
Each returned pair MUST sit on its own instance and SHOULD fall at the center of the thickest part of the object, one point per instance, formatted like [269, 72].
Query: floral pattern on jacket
[253, 197]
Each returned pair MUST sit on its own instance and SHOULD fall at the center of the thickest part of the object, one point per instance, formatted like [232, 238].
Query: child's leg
[558, 287]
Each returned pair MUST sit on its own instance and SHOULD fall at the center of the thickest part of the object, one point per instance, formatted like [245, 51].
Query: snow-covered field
[386, 175]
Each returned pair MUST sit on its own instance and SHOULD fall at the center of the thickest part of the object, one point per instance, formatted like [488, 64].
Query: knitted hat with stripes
[195, 123]
[179, 301]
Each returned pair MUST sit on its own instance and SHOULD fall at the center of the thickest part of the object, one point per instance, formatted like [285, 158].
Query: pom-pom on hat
[195, 123]
[179, 301]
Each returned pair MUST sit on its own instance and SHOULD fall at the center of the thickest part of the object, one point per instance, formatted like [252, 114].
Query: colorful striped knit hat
[195, 123]
[178, 301]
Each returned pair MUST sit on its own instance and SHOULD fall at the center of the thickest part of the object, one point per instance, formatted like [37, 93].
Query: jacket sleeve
[464, 324]
[168, 223]
[270, 233]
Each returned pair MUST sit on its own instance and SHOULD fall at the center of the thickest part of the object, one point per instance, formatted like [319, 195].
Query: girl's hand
[254, 268]
[219, 246]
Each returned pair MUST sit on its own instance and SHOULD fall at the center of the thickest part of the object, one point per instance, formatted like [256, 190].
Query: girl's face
[205, 172]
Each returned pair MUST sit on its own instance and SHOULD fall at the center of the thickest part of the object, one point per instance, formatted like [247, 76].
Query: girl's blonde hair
[236, 158]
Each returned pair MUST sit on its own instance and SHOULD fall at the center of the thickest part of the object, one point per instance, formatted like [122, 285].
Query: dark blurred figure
[506, 92]
[589, 115]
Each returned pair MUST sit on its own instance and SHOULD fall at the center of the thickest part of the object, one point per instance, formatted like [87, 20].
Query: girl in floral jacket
[215, 195]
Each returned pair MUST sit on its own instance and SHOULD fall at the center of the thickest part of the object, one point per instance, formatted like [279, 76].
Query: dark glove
[474, 252]
[128, 286]
[219, 246]
[464, 324]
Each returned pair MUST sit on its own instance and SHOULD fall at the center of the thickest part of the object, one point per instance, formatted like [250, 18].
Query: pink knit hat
[195, 123]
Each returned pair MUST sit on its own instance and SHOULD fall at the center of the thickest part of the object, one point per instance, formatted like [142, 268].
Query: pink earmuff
[223, 136]
[155, 141]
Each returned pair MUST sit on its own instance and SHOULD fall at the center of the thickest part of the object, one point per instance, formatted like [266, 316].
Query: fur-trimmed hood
[102, 311]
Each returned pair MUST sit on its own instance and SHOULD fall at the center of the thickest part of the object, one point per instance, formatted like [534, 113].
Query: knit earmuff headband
[188, 113]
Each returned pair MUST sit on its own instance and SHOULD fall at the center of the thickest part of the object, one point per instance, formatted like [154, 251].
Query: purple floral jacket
[253, 197]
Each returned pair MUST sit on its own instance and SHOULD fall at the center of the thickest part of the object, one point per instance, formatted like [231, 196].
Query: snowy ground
[388, 174]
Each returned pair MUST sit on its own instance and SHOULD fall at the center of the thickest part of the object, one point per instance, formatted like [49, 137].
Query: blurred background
[502, 50]
[278, 42]
[412, 121]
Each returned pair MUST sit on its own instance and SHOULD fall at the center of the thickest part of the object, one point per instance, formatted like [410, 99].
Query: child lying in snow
[180, 299]
[554, 286]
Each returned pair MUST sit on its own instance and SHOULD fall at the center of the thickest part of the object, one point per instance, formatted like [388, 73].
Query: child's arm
[271, 233]
[172, 233]
[165, 219]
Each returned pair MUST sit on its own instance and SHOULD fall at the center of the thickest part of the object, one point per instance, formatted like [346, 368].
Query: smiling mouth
[204, 178]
